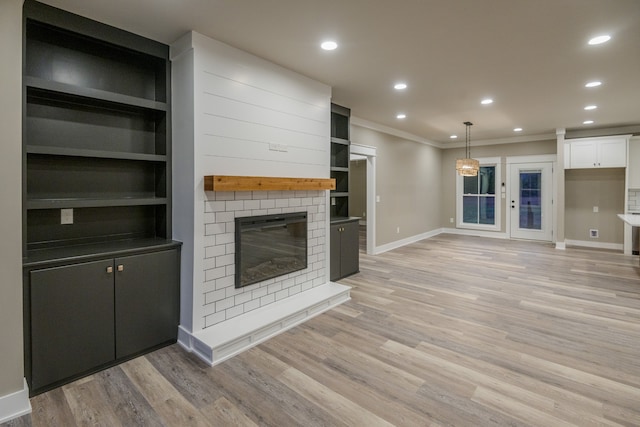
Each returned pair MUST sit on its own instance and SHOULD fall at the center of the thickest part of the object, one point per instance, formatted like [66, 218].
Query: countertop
[343, 219]
[633, 220]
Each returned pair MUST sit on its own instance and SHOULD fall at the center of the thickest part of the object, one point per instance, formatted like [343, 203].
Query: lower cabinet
[345, 255]
[89, 315]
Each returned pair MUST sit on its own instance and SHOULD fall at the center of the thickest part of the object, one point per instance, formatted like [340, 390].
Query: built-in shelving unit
[96, 133]
[344, 256]
[340, 146]
[101, 273]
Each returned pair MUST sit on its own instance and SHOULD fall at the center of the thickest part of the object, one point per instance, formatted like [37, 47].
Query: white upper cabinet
[634, 163]
[601, 152]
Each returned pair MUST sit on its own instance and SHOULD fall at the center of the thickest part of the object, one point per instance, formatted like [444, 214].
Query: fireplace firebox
[269, 246]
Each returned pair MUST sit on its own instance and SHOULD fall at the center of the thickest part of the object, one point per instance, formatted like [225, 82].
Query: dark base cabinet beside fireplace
[345, 255]
[85, 316]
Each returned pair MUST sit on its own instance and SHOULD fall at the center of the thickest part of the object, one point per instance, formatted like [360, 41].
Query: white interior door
[530, 200]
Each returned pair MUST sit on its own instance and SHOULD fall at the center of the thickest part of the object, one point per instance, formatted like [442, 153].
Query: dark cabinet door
[334, 262]
[147, 301]
[72, 309]
[344, 250]
[350, 255]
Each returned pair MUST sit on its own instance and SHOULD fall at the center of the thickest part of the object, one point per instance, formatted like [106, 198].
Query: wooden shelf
[94, 203]
[103, 154]
[93, 94]
[265, 183]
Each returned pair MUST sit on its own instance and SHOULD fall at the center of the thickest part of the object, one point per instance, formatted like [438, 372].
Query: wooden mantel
[265, 183]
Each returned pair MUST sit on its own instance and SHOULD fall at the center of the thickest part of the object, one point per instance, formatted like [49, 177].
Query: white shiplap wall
[237, 114]
[248, 106]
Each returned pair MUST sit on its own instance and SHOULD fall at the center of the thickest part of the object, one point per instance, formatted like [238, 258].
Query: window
[477, 205]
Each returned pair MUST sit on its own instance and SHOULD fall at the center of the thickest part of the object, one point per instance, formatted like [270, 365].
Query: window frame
[484, 162]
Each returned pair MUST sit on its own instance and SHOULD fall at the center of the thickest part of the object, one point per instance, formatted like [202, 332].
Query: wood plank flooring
[449, 331]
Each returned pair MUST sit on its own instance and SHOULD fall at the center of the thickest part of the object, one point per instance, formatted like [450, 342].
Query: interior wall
[358, 189]
[11, 349]
[586, 188]
[449, 156]
[408, 182]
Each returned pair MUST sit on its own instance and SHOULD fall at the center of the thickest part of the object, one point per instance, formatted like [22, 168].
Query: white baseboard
[407, 241]
[477, 233]
[596, 245]
[561, 246]
[15, 405]
[224, 340]
[413, 239]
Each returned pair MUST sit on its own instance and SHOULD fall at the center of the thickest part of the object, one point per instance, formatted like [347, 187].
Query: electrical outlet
[333, 201]
[398, 230]
[451, 220]
[377, 199]
[596, 209]
[593, 233]
[66, 216]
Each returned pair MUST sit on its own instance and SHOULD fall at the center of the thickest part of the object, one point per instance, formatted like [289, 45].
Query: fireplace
[269, 246]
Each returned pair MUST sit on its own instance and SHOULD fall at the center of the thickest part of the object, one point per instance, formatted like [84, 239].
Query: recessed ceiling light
[401, 116]
[590, 107]
[587, 122]
[453, 136]
[486, 101]
[600, 39]
[400, 86]
[329, 45]
[593, 84]
[517, 130]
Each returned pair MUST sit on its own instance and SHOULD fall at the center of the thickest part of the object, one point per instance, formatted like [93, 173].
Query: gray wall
[11, 363]
[586, 188]
[358, 188]
[408, 181]
[448, 206]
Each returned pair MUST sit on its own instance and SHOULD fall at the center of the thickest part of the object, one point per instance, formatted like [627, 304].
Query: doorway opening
[362, 177]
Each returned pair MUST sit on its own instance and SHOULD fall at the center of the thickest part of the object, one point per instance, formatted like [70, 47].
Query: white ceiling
[530, 56]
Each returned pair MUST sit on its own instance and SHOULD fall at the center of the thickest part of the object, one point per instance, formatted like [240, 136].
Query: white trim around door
[542, 217]
[370, 153]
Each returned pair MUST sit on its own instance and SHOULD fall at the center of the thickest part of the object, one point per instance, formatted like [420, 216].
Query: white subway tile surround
[222, 301]
[633, 204]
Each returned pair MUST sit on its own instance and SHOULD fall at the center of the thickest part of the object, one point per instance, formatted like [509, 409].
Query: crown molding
[608, 131]
[357, 121]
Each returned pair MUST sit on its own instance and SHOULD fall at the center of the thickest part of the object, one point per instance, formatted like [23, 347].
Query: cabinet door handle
[120, 267]
[109, 270]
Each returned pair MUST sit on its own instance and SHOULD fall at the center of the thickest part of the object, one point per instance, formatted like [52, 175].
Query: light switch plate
[66, 216]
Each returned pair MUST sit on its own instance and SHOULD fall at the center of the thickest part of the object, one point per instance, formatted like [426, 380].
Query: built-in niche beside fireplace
[268, 246]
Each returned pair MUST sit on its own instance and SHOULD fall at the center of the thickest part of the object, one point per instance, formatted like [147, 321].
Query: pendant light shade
[467, 166]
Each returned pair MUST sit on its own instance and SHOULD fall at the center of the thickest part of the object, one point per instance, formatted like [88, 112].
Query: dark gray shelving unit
[96, 145]
[340, 146]
[344, 235]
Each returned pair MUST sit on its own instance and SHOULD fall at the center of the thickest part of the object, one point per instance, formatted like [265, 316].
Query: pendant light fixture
[467, 166]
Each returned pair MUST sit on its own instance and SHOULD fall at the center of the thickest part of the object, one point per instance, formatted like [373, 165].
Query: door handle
[120, 267]
[109, 270]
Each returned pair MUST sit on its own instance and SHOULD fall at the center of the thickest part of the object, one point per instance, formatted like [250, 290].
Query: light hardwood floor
[450, 331]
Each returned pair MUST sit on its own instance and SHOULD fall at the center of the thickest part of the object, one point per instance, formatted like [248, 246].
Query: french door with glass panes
[530, 201]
